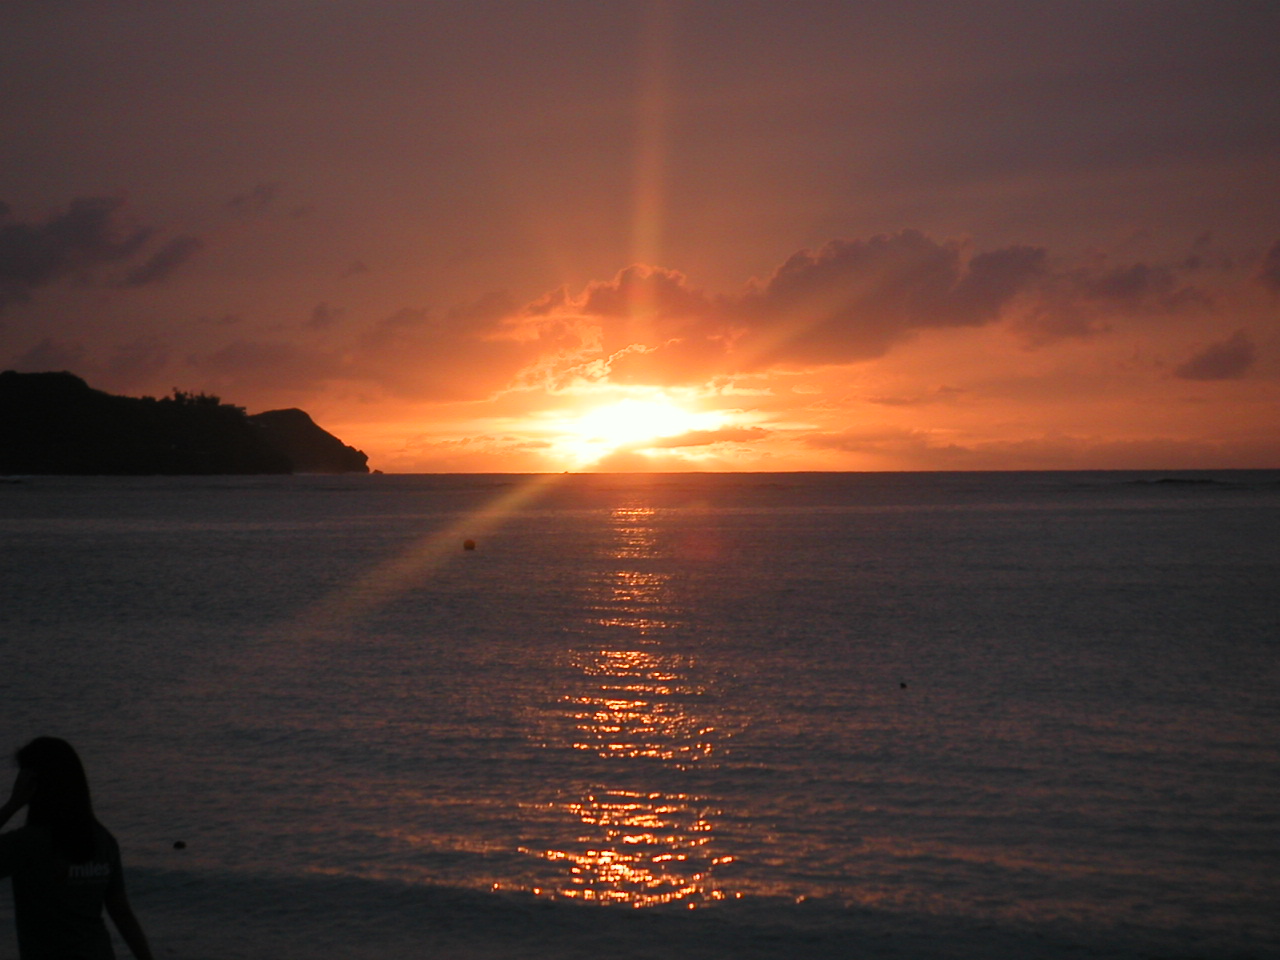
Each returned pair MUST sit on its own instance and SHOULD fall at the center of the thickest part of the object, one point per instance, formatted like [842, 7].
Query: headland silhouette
[55, 423]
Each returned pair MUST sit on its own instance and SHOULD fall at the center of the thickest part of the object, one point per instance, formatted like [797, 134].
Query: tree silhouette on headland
[55, 423]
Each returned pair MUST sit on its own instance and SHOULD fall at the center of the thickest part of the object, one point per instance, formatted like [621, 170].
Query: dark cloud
[1087, 300]
[1139, 286]
[256, 200]
[323, 317]
[164, 261]
[1200, 247]
[1130, 284]
[901, 280]
[1269, 272]
[1226, 359]
[853, 300]
[87, 235]
[1056, 313]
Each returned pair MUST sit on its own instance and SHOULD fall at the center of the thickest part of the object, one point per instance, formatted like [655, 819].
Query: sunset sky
[546, 236]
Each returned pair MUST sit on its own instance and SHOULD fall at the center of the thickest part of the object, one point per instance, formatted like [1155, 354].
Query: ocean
[1002, 715]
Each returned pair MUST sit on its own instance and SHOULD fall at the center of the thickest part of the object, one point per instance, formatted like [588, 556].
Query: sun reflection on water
[643, 849]
[635, 702]
[639, 707]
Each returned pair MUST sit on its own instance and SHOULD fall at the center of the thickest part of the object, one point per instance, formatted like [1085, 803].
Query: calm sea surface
[1031, 701]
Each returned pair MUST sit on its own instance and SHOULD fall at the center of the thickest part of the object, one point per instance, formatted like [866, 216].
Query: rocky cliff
[309, 448]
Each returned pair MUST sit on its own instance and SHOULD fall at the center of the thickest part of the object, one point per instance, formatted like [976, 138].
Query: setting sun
[631, 424]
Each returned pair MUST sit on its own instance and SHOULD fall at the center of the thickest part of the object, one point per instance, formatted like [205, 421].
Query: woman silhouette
[65, 865]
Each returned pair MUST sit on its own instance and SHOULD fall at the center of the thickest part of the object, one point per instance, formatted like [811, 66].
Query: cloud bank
[847, 302]
[89, 234]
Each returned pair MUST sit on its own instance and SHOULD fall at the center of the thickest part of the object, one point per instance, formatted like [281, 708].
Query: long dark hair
[60, 803]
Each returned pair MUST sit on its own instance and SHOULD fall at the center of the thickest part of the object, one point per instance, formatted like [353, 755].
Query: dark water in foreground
[825, 714]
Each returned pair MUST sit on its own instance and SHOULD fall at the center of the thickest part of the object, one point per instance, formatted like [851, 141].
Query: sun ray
[385, 582]
[651, 135]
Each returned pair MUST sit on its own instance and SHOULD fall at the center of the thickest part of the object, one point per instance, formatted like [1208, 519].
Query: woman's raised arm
[23, 787]
[121, 914]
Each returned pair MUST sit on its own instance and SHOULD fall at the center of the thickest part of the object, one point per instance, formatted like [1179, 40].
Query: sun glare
[631, 424]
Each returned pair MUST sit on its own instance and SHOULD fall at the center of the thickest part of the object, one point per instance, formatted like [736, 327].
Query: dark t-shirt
[58, 905]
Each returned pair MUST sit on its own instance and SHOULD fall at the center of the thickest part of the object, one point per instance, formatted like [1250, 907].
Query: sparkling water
[1033, 706]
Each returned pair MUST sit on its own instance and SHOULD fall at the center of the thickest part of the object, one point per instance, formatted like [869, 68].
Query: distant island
[55, 423]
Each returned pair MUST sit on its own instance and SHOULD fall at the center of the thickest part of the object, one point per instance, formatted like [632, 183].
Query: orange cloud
[852, 301]
[846, 302]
